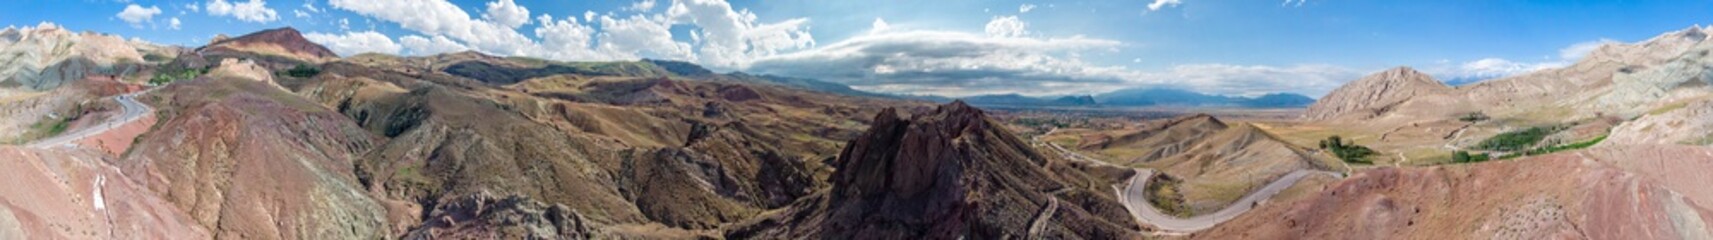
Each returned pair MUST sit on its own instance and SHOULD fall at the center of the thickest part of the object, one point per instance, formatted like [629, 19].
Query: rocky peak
[282, 41]
[1654, 50]
[1374, 92]
[1199, 119]
[1691, 33]
[902, 158]
[942, 174]
[10, 34]
[219, 38]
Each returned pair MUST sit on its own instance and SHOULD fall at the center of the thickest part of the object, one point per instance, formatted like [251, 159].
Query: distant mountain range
[1140, 97]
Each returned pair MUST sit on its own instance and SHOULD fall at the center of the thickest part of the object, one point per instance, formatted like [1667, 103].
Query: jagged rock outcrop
[1374, 94]
[486, 216]
[947, 174]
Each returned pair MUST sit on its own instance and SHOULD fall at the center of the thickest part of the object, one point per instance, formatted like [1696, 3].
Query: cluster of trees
[1040, 122]
[1466, 157]
[302, 71]
[1517, 140]
[165, 76]
[1347, 151]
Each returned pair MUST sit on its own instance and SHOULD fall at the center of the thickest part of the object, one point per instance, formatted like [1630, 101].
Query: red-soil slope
[1605, 193]
[115, 141]
[248, 160]
[74, 194]
[947, 174]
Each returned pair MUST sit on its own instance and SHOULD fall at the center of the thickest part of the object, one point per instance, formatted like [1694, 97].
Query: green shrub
[1349, 152]
[165, 76]
[302, 71]
[1466, 157]
[1559, 148]
[1473, 117]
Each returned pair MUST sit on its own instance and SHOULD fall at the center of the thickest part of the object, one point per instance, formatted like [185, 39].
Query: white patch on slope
[100, 182]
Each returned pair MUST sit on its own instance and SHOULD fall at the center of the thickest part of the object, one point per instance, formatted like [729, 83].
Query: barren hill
[1426, 123]
[1638, 192]
[1374, 94]
[1212, 162]
[283, 42]
[248, 160]
[619, 146]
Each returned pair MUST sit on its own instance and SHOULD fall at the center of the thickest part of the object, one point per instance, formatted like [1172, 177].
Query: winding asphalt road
[1134, 198]
[1133, 195]
[131, 111]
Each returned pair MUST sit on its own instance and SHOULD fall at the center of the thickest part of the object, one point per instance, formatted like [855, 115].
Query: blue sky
[948, 47]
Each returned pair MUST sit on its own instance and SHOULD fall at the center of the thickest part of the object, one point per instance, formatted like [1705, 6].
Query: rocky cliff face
[946, 174]
[1373, 94]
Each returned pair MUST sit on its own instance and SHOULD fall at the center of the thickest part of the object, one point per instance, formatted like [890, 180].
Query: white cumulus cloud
[250, 11]
[642, 6]
[1006, 26]
[722, 37]
[879, 25]
[353, 43]
[137, 15]
[507, 13]
[1025, 8]
[442, 18]
[573, 39]
[418, 45]
[173, 23]
[627, 37]
[731, 38]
